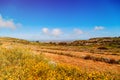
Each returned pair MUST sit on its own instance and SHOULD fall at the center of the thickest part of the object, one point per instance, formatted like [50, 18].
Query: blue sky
[59, 19]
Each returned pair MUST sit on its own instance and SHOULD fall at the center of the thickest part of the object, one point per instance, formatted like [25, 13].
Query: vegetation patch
[21, 64]
[102, 48]
[102, 59]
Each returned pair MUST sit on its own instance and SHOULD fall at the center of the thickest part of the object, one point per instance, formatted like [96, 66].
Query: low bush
[102, 48]
[102, 59]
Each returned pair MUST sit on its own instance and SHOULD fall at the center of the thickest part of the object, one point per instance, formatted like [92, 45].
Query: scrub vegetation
[27, 60]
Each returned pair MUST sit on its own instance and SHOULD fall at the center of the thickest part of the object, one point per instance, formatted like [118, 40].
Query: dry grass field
[24, 60]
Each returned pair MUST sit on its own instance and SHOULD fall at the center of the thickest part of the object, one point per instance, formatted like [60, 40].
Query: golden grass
[19, 63]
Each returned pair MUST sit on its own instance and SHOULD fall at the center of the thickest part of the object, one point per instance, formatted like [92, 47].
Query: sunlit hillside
[26, 60]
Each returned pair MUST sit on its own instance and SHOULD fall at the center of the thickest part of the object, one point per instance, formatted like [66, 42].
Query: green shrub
[102, 48]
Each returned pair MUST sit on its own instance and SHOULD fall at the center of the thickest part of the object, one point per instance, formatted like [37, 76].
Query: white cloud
[78, 31]
[8, 23]
[56, 32]
[53, 32]
[98, 28]
[45, 30]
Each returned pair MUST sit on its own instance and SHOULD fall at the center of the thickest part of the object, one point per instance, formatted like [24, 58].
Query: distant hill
[110, 41]
[15, 40]
[101, 41]
[104, 41]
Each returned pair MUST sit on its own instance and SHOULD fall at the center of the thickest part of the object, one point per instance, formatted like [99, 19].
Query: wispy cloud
[8, 23]
[54, 32]
[45, 30]
[78, 31]
[98, 28]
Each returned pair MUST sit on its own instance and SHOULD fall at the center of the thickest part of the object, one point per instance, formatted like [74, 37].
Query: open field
[24, 60]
